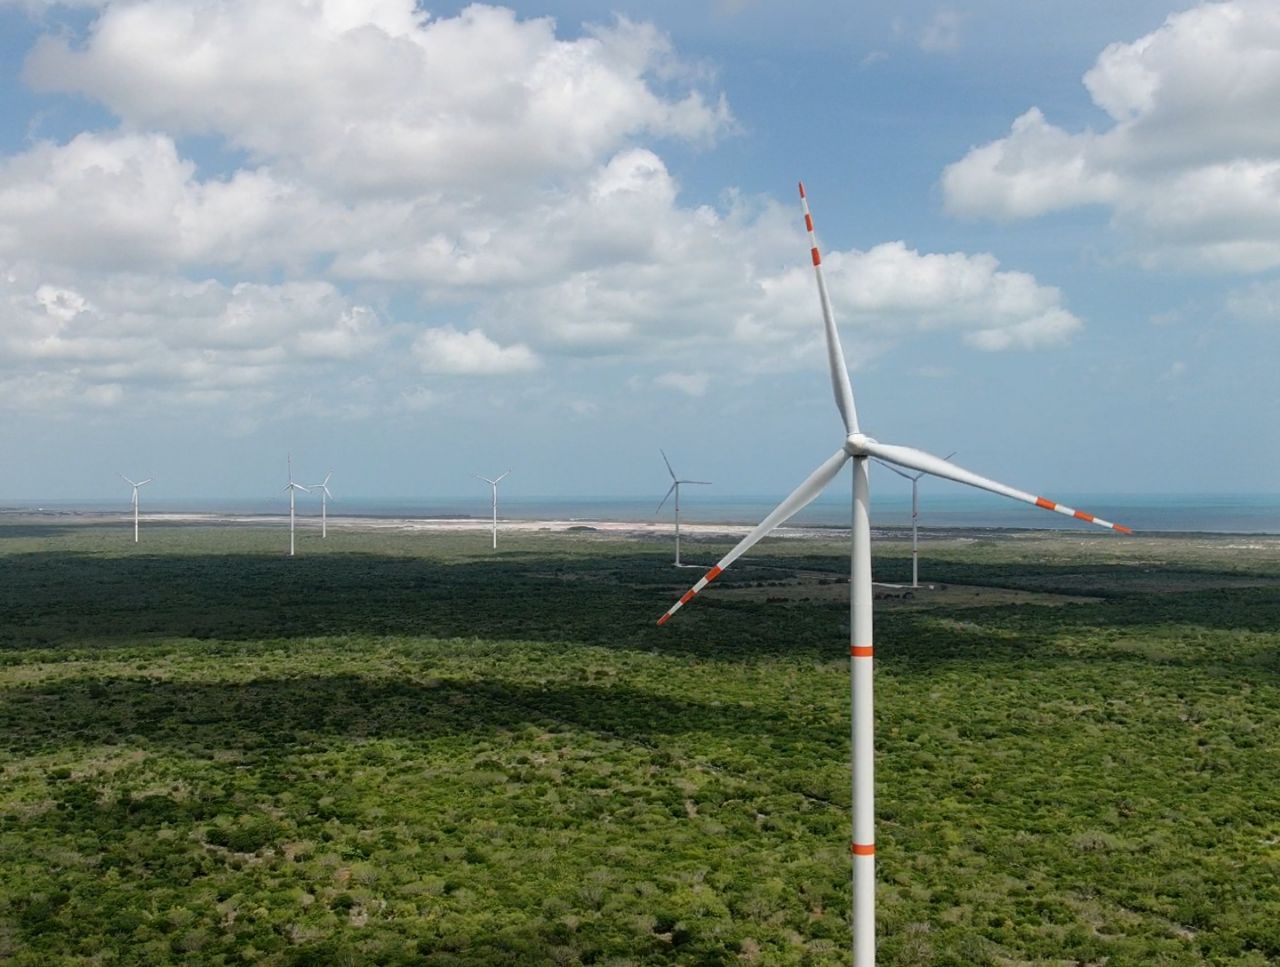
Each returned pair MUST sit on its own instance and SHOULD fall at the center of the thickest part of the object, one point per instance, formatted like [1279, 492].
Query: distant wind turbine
[293, 488]
[859, 448]
[915, 513]
[494, 485]
[675, 488]
[135, 486]
[325, 497]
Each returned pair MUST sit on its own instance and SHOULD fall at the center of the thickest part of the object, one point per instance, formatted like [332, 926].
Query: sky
[409, 244]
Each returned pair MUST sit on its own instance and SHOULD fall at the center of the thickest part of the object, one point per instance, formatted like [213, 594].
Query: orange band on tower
[862, 849]
[861, 651]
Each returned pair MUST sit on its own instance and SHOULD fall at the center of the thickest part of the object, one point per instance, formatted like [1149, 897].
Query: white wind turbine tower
[293, 488]
[135, 486]
[915, 514]
[325, 497]
[859, 447]
[675, 488]
[494, 485]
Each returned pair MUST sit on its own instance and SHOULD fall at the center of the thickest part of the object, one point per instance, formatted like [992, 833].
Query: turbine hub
[856, 444]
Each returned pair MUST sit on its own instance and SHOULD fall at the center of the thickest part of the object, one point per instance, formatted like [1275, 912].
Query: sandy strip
[472, 524]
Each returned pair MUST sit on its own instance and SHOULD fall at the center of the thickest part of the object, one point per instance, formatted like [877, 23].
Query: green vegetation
[405, 749]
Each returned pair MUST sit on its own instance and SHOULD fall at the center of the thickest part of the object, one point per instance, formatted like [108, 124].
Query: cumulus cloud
[447, 350]
[377, 95]
[1190, 162]
[493, 171]
[122, 201]
[122, 334]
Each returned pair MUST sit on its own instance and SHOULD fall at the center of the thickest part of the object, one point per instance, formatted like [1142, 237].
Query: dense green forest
[400, 748]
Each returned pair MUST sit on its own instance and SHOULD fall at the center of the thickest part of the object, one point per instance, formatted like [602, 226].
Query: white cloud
[484, 167]
[1190, 163]
[1259, 302]
[375, 95]
[691, 384]
[108, 336]
[121, 201]
[471, 353]
[419, 399]
[942, 32]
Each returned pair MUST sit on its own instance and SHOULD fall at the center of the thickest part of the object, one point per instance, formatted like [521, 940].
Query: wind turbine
[494, 485]
[915, 513]
[859, 447]
[675, 488]
[135, 486]
[325, 497]
[293, 488]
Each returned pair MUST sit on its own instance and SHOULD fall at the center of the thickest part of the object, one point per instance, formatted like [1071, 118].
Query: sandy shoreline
[635, 530]
[433, 524]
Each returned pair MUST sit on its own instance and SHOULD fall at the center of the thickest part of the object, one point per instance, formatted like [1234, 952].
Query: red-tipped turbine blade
[928, 463]
[799, 498]
[835, 354]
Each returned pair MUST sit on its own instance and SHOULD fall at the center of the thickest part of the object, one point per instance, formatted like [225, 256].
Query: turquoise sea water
[1206, 513]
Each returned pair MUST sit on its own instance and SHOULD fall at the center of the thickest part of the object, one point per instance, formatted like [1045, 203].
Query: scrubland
[396, 749]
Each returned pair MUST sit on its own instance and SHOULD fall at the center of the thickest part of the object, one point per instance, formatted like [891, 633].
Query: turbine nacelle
[856, 444]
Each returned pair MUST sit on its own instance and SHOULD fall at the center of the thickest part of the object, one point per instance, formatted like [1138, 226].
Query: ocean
[1185, 513]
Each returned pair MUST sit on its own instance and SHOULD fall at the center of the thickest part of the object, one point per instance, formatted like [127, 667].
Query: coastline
[621, 529]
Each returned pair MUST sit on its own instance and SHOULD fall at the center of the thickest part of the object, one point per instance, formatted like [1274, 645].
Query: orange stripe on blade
[1046, 504]
[817, 259]
[862, 849]
[1083, 516]
[861, 651]
[665, 618]
[1122, 529]
[687, 596]
[802, 189]
[714, 573]
[808, 221]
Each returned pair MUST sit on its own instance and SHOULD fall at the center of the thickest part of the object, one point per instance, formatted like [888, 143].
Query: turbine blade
[667, 462]
[889, 466]
[835, 354]
[126, 480]
[796, 501]
[326, 478]
[485, 479]
[938, 467]
[503, 475]
[704, 483]
[143, 483]
[670, 491]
